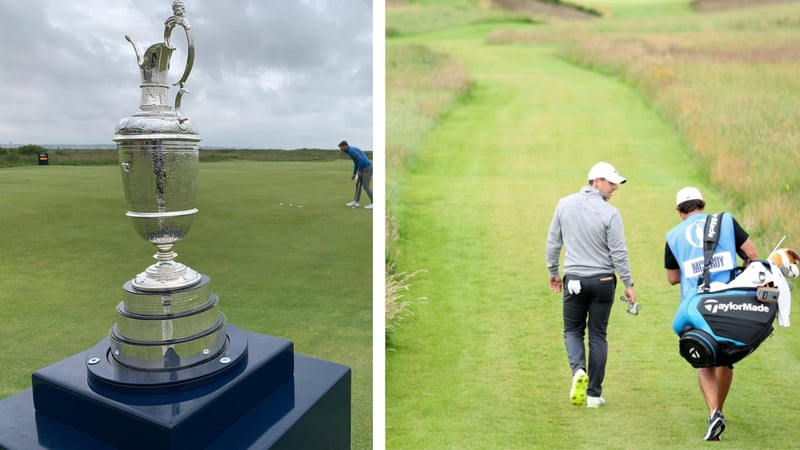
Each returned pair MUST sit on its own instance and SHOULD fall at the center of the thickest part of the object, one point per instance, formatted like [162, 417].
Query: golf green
[284, 255]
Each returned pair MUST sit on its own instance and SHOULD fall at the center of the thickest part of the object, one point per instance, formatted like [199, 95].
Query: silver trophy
[158, 151]
[168, 317]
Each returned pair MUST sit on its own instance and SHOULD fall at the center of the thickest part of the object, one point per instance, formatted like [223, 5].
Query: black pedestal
[274, 398]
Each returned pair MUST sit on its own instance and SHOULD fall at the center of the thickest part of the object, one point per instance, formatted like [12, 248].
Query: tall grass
[728, 83]
[420, 85]
[414, 17]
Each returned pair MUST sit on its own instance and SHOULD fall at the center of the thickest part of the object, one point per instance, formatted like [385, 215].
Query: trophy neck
[154, 98]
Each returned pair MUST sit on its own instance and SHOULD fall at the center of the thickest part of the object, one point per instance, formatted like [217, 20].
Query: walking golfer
[682, 253]
[592, 232]
[362, 168]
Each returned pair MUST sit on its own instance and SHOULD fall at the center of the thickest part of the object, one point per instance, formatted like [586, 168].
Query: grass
[303, 274]
[481, 363]
[415, 17]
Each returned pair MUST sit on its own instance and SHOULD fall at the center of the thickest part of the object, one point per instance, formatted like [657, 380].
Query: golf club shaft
[358, 188]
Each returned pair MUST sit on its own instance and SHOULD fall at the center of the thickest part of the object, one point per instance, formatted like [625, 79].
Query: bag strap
[710, 239]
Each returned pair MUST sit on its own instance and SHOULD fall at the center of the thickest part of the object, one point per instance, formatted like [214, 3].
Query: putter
[358, 188]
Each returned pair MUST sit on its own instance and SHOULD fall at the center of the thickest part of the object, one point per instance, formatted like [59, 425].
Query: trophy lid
[156, 117]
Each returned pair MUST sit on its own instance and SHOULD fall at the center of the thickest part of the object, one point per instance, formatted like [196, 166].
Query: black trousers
[590, 309]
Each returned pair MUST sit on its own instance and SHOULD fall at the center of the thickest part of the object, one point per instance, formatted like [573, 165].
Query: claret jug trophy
[168, 317]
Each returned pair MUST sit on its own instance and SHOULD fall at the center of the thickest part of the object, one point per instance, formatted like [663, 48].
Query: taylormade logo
[712, 225]
[713, 306]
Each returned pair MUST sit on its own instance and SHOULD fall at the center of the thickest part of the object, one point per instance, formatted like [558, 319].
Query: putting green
[302, 274]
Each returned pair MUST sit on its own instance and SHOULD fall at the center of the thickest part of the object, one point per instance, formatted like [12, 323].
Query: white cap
[607, 171]
[686, 194]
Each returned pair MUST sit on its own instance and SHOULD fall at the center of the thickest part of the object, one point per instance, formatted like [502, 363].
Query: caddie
[684, 263]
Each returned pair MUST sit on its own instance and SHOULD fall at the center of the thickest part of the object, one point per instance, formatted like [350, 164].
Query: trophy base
[107, 374]
[167, 330]
[292, 402]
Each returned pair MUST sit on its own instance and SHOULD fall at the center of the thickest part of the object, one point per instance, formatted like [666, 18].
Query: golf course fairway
[481, 363]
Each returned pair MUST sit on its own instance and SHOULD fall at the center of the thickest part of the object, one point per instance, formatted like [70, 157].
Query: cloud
[266, 74]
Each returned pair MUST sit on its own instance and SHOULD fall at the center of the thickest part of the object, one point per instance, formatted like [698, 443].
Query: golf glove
[574, 287]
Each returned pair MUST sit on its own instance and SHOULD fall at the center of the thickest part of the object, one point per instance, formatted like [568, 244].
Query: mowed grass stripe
[491, 321]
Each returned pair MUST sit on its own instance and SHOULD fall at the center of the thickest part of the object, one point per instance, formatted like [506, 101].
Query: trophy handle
[171, 23]
[179, 19]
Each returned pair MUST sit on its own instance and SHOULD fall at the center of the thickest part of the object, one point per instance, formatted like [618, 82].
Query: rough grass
[726, 82]
[410, 18]
[421, 84]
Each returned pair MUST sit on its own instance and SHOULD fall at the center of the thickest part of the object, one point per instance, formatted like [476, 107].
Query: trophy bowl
[159, 161]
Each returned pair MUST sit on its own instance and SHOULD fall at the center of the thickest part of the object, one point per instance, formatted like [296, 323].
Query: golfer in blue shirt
[362, 172]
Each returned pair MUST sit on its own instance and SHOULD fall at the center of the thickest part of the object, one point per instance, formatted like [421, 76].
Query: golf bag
[723, 323]
[723, 327]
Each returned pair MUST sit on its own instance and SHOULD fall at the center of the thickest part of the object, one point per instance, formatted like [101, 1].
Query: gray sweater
[591, 230]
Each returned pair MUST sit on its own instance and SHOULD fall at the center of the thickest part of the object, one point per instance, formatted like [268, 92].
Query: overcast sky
[267, 74]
